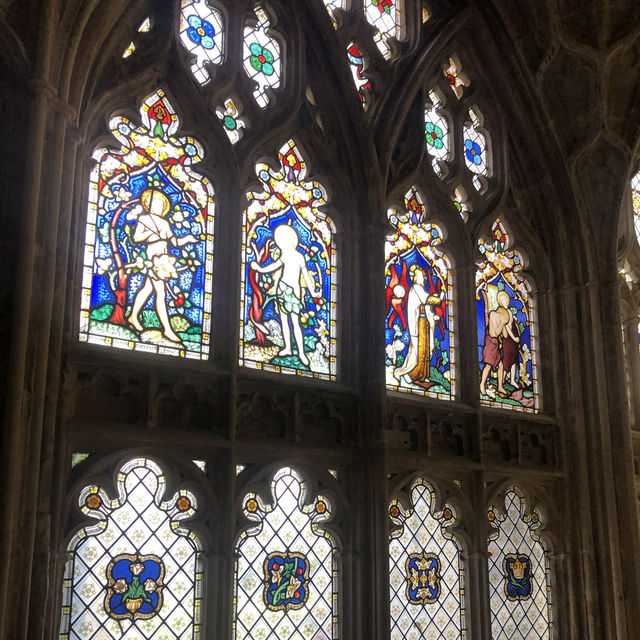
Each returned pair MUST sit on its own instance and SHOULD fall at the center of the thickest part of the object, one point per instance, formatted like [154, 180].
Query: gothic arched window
[519, 576]
[635, 194]
[287, 312]
[137, 571]
[146, 282]
[419, 320]
[426, 577]
[506, 326]
[286, 575]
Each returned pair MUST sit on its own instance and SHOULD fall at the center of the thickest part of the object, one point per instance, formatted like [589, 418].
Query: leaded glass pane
[519, 577]
[332, 5]
[146, 282]
[436, 132]
[419, 353]
[356, 64]
[635, 192]
[229, 116]
[425, 570]
[506, 327]
[288, 298]
[387, 18]
[136, 573]
[285, 577]
[476, 152]
[202, 35]
[261, 53]
[455, 76]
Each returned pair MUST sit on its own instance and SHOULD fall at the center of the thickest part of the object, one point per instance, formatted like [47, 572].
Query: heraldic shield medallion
[286, 577]
[134, 590]
[517, 576]
[423, 578]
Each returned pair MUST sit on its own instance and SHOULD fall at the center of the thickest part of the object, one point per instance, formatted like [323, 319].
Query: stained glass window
[332, 5]
[363, 84]
[461, 203]
[149, 238]
[426, 578]
[230, 118]
[436, 132]
[261, 54]
[506, 327]
[202, 35]
[635, 191]
[519, 577]
[387, 17]
[286, 576]
[455, 76]
[476, 153]
[287, 307]
[136, 571]
[419, 319]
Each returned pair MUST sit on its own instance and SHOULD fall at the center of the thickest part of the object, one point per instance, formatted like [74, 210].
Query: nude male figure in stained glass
[292, 268]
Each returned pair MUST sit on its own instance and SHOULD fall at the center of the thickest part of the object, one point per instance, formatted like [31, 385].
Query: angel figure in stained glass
[289, 268]
[152, 228]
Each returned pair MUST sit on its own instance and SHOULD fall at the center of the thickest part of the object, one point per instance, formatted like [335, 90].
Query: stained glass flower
[261, 59]
[434, 135]
[201, 32]
[473, 151]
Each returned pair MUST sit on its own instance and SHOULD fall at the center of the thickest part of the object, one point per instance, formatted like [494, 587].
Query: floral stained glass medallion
[288, 274]
[476, 151]
[426, 578]
[506, 327]
[363, 84]
[202, 35]
[436, 132]
[386, 16]
[149, 239]
[635, 192]
[285, 579]
[136, 570]
[519, 576]
[419, 353]
[230, 118]
[261, 53]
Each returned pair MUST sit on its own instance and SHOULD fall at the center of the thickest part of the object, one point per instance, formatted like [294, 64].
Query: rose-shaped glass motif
[261, 59]
[473, 152]
[201, 31]
[433, 135]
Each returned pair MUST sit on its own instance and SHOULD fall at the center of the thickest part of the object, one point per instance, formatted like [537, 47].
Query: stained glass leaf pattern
[274, 599]
[137, 571]
[229, 116]
[476, 153]
[386, 16]
[635, 192]
[504, 303]
[419, 354]
[261, 53]
[427, 601]
[146, 281]
[356, 64]
[202, 35]
[288, 315]
[519, 576]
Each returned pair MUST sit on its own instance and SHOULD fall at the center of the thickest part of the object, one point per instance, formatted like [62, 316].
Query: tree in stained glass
[426, 578]
[386, 16]
[356, 64]
[635, 193]
[506, 327]
[261, 53]
[285, 575]
[519, 577]
[436, 132]
[202, 35]
[476, 151]
[288, 273]
[149, 239]
[419, 354]
[136, 572]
